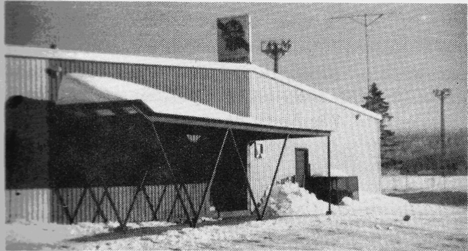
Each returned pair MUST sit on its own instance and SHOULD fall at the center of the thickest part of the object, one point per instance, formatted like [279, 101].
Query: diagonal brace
[208, 187]
[274, 176]
[170, 169]
[245, 175]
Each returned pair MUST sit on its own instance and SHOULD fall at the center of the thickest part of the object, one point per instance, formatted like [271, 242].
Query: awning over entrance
[89, 96]
[77, 88]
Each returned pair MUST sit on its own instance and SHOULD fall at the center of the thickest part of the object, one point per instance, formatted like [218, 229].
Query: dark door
[302, 160]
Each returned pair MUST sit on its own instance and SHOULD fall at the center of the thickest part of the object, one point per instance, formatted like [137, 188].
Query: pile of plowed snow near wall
[290, 199]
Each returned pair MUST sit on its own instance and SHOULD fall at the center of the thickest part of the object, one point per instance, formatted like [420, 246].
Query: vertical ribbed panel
[354, 142]
[223, 89]
[27, 204]
[26, 77]
[122, 197]
[227, 90]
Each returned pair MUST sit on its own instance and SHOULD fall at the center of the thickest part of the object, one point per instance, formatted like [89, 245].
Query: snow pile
[347, 201]
[290, 199]
[333, 173]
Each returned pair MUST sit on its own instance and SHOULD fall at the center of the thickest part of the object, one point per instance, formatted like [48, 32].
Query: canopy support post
[329, 212]
[176, 185]
[98, 208]
[166, 159]
[161, 197]
[112, 204]
[245, 174]
[135, 196]
[274, 177]
[208, 187]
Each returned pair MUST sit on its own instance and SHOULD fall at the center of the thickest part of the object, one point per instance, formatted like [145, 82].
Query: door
[302, 160]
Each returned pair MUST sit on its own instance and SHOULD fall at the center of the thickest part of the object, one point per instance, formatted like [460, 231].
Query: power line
[366, 23]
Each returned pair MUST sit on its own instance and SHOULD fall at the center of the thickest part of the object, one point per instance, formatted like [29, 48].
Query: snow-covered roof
[78, 88]
[131, 59]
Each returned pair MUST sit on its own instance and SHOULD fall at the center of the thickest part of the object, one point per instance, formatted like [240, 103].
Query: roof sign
[234, 39]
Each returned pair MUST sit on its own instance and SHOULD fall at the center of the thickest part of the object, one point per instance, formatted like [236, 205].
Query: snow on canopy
[84, 88]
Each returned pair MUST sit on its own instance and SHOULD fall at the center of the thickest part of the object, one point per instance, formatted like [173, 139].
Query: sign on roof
[234, 41]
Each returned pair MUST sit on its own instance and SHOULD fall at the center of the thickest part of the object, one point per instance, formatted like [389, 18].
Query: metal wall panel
[223, 89]
[355, 147]
[26, 77]
[27, 204]
[122, 198]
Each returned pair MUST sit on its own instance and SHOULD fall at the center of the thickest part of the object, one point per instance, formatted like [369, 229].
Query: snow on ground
[290, 199]
[376, 222]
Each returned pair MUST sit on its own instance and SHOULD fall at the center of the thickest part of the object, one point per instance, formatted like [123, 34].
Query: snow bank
[290, 199]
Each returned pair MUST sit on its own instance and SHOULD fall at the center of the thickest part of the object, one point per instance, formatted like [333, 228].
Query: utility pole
[441, 94]
[367, 22]
[275, 50]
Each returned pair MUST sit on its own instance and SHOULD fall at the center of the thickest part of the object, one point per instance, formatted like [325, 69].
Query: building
[324, 131]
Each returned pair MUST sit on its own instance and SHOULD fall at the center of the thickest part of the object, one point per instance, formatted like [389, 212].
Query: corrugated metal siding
[223, 89]
[27, 77]
[27, 204]
[354, 142]
[122, 198]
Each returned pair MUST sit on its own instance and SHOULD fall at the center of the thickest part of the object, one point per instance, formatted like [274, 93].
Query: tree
[376, 103]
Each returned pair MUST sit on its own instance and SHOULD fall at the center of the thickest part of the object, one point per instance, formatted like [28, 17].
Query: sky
[413, 48]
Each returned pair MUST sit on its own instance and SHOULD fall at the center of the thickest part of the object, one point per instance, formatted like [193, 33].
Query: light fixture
[193, 137]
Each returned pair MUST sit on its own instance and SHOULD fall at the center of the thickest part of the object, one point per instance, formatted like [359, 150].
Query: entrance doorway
[302, 163]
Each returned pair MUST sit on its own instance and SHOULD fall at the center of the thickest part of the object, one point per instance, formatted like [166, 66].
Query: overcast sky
[413, 48]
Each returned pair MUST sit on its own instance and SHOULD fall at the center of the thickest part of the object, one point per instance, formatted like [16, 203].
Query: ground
[376, 222]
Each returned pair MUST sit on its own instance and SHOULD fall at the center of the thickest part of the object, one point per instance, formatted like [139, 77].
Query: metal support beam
[98, 208]
[161, 197]
[208, 187]
[329, 212]
[166, 159]
[274, 177]
[245, 174]
[112, 204]
[141, 188]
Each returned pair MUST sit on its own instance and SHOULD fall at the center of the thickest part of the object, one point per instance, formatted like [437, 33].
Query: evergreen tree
[376, 103]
